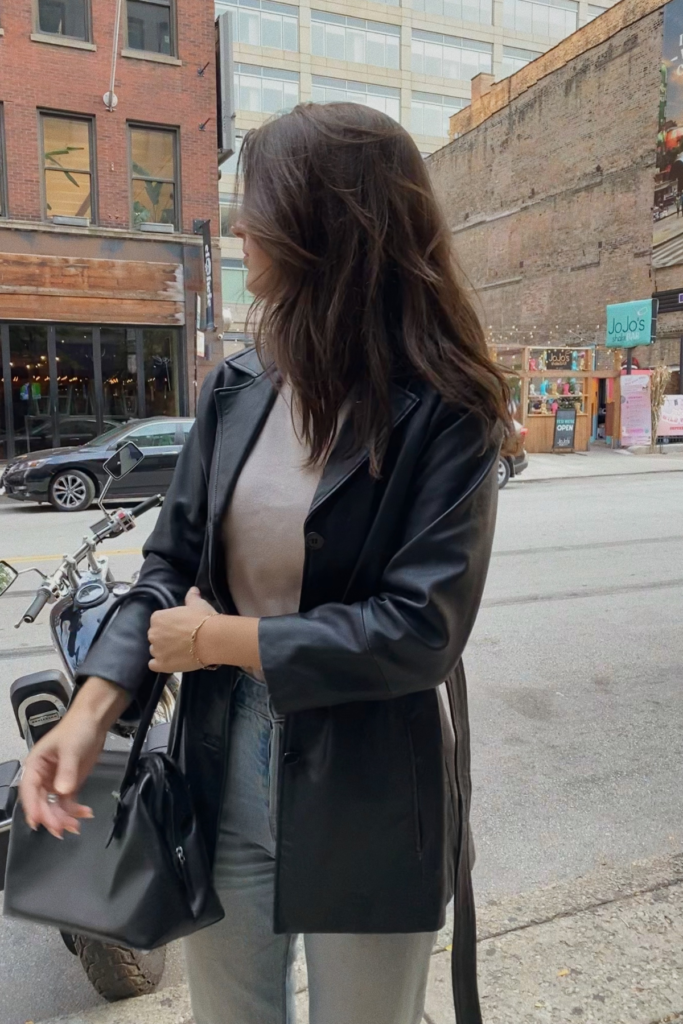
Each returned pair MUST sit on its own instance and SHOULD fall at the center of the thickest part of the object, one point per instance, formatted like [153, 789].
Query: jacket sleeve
[411, 634]
[172, 555]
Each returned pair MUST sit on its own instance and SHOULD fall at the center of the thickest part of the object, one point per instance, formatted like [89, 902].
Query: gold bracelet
[193, 645]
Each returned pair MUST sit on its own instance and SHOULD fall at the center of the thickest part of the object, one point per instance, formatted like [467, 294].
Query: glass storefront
[63, 385]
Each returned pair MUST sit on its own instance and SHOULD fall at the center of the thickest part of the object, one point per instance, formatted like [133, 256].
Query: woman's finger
[32, 789]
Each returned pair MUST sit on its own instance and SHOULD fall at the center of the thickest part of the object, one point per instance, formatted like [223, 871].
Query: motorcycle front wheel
[119, 973]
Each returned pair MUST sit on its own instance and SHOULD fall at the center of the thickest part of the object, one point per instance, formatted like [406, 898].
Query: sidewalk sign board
[565, 429]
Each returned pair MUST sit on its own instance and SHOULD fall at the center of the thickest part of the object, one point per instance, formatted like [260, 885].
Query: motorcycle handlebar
[37, 605]
[145, 506]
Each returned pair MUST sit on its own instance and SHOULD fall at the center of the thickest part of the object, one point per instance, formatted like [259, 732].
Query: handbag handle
[164, 596]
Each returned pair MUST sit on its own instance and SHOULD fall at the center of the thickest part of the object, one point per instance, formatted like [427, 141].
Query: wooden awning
[93, 291]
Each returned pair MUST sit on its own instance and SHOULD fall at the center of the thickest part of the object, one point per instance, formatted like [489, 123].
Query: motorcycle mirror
[8, 574]
[123, 461]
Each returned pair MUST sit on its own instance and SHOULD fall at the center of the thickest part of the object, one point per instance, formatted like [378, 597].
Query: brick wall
[550, 197]
[40, 75]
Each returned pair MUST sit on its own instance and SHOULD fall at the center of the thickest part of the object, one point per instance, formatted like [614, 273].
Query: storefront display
[545, 380]
[67, 384]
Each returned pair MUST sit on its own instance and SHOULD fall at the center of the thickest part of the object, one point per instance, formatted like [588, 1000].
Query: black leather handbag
[138, 875]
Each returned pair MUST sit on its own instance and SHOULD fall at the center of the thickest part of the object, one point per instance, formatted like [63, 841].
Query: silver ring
[52, 798]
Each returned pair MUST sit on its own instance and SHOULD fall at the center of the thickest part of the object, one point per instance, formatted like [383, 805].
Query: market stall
[545, 380]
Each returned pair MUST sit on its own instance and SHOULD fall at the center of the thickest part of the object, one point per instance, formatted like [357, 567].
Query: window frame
[274, 74]
[4, 213]
[291, 11]
[528, 58]
[234, 263]
[350, 24]
[64, 115]
[60, 35]
[435, 100]
[173, 27]
[421, 7]
[347, 85]
[455, 44]
[175, 131]
[510, 16]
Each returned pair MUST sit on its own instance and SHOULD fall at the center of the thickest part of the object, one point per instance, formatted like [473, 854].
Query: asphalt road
[574, 677]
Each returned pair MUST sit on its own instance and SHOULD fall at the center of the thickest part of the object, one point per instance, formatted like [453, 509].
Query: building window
[449, 56]
[551, 19]
[515, 59]
[150, 26]
[153, 164]
[234, 283]
[229, 166]
[430, 114]
[379, 97]
[3, 178]
[268, 90]
[594, 12]
[355, 40]
[263, 23]
[69, 18]
[226, 208]
[480, 12]
[67, 167]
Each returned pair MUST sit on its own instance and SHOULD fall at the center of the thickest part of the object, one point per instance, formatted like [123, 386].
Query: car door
[158, 442]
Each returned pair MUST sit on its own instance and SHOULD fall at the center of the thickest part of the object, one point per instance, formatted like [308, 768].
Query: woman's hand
[170, 635]
[60, 762]
[222, 640]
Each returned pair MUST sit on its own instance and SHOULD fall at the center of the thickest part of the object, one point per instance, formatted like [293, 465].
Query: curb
[593, 476]
[581, 903]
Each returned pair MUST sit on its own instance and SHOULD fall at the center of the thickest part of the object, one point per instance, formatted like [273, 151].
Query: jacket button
[290, 757]
[314, 541]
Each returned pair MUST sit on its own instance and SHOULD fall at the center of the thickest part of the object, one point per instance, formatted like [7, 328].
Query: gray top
[263, 530]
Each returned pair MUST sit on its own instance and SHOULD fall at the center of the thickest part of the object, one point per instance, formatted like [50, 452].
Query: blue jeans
[239, 971]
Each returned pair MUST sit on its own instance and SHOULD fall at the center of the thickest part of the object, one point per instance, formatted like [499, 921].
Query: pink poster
[636, 425]
[671, 417]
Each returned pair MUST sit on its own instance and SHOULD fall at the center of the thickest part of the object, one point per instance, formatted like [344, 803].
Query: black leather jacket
[374, 801]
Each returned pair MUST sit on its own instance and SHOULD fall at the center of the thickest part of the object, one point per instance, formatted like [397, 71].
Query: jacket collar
[243, 408]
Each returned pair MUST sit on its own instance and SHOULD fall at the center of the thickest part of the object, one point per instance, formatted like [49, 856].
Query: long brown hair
[365, 288]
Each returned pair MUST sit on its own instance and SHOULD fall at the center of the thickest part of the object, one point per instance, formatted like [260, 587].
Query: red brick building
[100, 268]
[549, 189]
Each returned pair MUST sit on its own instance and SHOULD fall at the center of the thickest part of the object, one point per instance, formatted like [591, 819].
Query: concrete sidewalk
[599, 462]
[606, 949]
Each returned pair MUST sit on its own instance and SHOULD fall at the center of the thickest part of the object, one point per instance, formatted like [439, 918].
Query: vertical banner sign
[636, 414]
[210, 324]
[200, 337]
[667, 209]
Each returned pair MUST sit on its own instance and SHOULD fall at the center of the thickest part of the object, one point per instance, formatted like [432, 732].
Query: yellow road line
[58, 558]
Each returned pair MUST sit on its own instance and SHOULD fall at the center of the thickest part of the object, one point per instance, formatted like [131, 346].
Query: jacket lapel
[242, 410]
[340, 467]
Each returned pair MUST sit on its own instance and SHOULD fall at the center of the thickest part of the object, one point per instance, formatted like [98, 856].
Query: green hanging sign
[631, 323]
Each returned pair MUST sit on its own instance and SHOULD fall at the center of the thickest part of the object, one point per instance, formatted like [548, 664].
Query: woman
[327, 536]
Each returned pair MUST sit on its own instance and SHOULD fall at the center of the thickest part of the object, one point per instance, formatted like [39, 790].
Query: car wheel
[72, 491]
[503, 473]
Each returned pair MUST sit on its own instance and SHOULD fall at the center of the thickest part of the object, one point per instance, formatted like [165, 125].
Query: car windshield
[103, 439]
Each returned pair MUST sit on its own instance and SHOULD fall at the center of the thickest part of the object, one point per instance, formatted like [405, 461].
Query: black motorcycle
[80, 591]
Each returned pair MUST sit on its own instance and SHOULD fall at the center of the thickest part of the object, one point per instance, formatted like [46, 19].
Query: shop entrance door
[29, 408]
[76, 414]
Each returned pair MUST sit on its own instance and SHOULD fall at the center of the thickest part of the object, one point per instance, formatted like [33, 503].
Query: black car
[71, 478]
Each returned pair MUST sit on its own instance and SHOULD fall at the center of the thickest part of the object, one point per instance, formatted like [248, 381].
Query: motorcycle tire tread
[116, 972]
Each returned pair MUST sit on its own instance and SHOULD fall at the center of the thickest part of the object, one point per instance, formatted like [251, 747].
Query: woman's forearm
[99, 701]
[229, 640]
